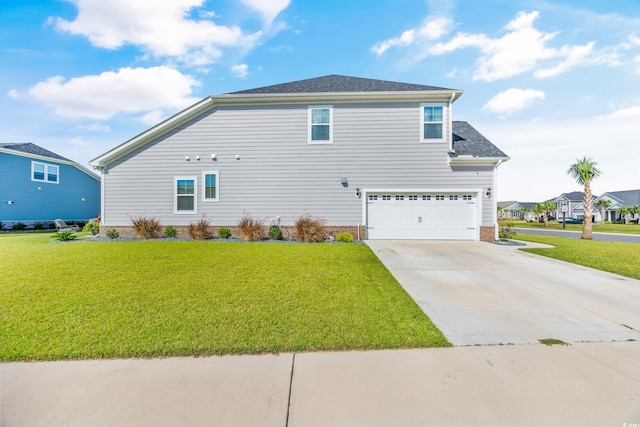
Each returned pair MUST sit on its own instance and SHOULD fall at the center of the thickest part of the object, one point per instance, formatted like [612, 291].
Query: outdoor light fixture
[197, 157]
[214, 157]
[344, 182]
[358, 193]
[488, 192]
[237, 156]
[186, 158]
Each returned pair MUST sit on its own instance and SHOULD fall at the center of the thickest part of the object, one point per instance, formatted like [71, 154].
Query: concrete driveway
[483, 293]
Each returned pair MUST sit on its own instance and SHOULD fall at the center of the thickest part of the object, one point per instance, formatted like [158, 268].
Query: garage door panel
[441, 216]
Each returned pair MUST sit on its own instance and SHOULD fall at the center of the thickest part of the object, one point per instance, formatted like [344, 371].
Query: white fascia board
[146, 136]
[477, 161]
[52, 160]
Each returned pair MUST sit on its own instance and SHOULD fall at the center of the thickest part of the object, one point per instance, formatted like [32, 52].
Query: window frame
[444, 122]
[175, 195]
[46, 166]
[204, 186]
[310, 124]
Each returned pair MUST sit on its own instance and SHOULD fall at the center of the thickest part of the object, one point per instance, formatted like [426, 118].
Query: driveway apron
[483, 293]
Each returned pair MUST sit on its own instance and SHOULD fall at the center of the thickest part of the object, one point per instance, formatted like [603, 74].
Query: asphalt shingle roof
[469, 142]
[338, 83]
[29, 148]
[629, 197]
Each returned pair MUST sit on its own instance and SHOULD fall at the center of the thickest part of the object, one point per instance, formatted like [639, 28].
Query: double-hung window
[321, 124]
[44, 172]
[433, 127]
[210, 186]
[185, 195]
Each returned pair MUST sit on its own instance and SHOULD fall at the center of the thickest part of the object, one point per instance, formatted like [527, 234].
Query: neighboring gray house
[384, 160]
[574, 202]
[514, 209]
[619, 199]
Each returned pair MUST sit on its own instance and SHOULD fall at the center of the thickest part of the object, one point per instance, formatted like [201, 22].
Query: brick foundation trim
[487, 233]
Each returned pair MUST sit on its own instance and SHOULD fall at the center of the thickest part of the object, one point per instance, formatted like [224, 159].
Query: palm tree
[624, 213]
[633, 210]
[524, 212]
[603, 204]
[538, 209]
[584, 171]
[550, 206]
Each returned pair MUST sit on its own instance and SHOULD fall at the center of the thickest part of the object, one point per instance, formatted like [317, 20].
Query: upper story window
[210, 186]
[432, 122]
[321, 124]
[44, 172]
[185, 195]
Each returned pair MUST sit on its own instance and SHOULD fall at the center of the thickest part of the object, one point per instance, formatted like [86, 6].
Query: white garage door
[428, 216]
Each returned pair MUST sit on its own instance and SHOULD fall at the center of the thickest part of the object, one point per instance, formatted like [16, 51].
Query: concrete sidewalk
[524, 385]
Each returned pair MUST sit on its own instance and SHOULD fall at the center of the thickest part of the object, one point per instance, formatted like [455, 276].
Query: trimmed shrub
[275, 233]
[170, 232]
[505, 233]
[65, 236]
[250, 228]
[91, 227]
[224, 232]
[19, 226]
[1, 225]
[310, 229]
[38, 225]
[200, 230]
[345, 237]
[146, 228]
[113, 234]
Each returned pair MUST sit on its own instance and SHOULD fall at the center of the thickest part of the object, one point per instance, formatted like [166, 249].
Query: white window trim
[309, 124]
[204, 186]
[175, 195]
[445, 122]
[46, 172]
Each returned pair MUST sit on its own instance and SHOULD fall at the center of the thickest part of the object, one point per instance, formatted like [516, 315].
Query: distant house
[573, 202]
[619, 199]
[37, 185]
[381, 159]
[519, 210]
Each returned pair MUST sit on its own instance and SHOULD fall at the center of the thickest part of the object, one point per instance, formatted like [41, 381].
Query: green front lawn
[614, 257]
[553, 225]
[78, 300]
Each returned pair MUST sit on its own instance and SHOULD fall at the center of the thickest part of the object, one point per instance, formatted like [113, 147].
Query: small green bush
[345, 237]
[65, 236]
[506, 233]
[200, 229]
[251, 229]
[1, 225]
[19, 226]
[224, 232]
[52, 226]
[146, 228]
[275, 233]
[170, 232]
[91, 227]
[113, 234]
[38, 225]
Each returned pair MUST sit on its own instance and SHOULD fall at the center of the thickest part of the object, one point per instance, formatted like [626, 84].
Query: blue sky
[548, 82]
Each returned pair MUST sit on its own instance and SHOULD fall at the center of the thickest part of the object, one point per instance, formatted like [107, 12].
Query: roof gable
[628, 197]
[336, 83]
[574, 196]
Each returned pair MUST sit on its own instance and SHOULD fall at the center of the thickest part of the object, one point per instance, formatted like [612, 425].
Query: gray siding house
[384, 160]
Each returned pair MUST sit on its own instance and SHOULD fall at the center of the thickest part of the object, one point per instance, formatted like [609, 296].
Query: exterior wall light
[198, 158]
[488, 193]
[237, 156]
[344, 182]
[214, 157]
[187, 158]
[358, 193]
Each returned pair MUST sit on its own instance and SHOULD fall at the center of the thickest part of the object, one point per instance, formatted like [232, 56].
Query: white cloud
[160, 28]
[95, 127]
[512, 100]
[521, 49]
[269, 9]
[432, 29]
[103, 96]
[79, 142]
[631, 113]
[240, 70]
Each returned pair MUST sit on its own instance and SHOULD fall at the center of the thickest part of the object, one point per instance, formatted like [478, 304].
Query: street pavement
[603, 237]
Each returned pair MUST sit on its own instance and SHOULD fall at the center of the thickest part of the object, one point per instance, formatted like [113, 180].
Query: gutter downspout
[495, 191]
